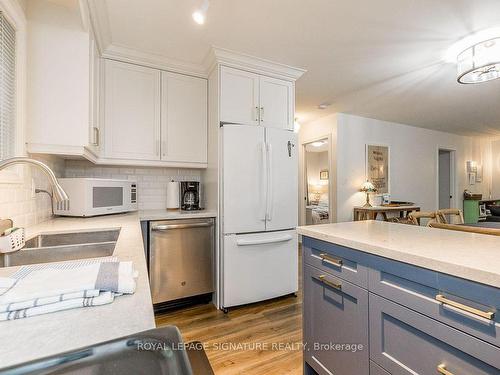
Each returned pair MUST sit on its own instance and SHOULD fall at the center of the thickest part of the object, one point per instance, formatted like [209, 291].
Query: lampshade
[480, 62]
[368, 187]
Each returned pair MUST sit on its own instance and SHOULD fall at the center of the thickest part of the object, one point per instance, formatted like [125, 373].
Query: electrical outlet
[33, 187]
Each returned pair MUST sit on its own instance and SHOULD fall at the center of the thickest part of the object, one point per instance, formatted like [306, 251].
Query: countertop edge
[460, 271]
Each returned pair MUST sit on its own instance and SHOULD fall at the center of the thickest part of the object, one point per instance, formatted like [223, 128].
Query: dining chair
[442, 216]
[416, 216]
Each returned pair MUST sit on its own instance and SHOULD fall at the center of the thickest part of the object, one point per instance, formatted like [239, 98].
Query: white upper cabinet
[183, 118]
[132, 112]
[276, 103]
[239, 100]
[253, 99]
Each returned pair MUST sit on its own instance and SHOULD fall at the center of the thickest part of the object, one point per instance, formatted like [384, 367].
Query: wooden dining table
[371, 213]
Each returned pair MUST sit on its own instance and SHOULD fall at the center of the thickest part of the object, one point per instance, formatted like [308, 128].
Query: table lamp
[368, 188]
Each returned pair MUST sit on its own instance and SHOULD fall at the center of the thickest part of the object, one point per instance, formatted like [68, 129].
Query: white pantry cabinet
[131, 112]
[253, 99]
[184, 118]
[95, 74]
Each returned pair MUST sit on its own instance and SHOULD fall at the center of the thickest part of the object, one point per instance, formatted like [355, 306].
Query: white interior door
[239, 101]
[244, 179]
[183, 118]
[276, 103]
[259, 266]
[282, 195]
[132, 111]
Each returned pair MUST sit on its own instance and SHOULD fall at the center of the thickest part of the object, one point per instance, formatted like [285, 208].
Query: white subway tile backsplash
[151, 182]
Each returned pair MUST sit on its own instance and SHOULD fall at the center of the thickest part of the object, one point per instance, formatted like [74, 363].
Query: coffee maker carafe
[190, 195]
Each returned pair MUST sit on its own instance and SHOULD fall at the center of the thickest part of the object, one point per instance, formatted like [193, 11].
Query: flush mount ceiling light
[324, 105]
[318, 143]
[200, 14]
[477, 57]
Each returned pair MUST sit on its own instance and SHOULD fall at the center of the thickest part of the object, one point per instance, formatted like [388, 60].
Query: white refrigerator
[259, 214]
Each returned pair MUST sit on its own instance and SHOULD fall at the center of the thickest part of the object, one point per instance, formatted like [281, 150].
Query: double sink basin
[58, 247]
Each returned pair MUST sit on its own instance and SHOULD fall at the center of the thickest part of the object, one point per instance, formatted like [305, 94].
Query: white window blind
[7, 88]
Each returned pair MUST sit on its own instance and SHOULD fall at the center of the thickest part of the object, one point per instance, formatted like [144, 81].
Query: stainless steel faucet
[58, 192]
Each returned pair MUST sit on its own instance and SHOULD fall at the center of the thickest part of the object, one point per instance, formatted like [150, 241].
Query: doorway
[446, 178]
[317, 202]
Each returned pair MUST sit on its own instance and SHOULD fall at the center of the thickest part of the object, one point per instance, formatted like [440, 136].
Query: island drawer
[377, 370]
[406, 342]
[337, 260]
[462, 304]
[335, 313]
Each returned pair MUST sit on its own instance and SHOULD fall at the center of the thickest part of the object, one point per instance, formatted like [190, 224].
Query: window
[7, 88]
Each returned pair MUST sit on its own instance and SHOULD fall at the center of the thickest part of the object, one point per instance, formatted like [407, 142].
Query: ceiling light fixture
[477, 57]
[318, 143]
[324, 105]
[200, 14]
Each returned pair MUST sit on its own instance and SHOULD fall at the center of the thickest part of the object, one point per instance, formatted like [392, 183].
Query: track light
[200, 14]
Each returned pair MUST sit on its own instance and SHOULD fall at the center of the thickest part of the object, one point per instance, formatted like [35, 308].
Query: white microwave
[94, 196]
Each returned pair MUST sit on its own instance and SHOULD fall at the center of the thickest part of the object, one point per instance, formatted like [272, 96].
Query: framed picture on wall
[377, 167]
[323, 175]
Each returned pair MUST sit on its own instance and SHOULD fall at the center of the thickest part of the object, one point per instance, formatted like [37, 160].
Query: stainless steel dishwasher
[181, 258]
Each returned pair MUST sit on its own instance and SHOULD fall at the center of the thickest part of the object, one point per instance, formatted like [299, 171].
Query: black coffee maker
[190, 195]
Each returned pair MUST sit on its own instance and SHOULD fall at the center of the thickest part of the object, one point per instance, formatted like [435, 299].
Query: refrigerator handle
[269, 201]
[264, 181]
[244, 242]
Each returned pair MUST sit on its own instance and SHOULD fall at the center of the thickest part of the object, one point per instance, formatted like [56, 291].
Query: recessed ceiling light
[200, 14]
[324, 105]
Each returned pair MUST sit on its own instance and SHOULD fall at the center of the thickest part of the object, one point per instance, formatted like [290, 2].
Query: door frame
[332, 210]
[453, 176]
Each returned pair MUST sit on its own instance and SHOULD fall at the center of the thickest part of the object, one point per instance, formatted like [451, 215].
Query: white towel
[117, 277]
[101, 299]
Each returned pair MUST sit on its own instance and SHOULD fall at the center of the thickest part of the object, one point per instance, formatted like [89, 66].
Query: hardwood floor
[263, 338]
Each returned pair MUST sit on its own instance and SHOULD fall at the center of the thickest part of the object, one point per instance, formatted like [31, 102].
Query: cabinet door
[276, 103]
[335, 313]
[132, 112]
[282, 149]
[183, 118]
[239, 99]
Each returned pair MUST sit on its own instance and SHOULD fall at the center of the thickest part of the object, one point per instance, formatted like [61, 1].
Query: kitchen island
[383, 298]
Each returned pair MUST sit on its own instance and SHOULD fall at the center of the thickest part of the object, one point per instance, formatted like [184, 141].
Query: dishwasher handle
[163, 227]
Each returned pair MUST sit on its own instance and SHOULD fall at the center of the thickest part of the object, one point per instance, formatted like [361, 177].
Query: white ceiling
[381, 59]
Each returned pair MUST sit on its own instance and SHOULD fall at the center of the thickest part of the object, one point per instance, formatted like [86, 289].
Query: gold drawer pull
[483, 314]
[442, 370]
[331, 284]
[329, 259]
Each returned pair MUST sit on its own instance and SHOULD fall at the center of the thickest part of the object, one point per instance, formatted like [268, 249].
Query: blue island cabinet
[368, 315]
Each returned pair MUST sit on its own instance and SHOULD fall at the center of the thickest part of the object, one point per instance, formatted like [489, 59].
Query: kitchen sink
[58, 247]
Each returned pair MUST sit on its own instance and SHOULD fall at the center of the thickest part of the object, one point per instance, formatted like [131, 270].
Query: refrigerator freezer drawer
[259, 266]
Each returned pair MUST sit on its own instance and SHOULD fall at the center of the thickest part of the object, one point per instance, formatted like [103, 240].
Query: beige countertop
[146, 215]
[31, 338]
[469, 256]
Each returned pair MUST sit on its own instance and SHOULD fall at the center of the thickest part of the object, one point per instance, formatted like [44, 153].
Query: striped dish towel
[64, 286]
[101, 299]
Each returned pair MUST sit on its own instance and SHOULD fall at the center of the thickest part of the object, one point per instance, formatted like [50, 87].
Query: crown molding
[222, 56]
[99, 22]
